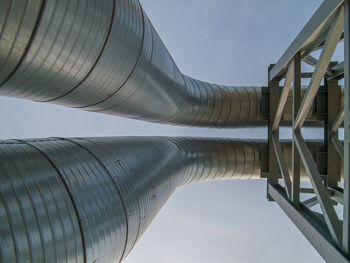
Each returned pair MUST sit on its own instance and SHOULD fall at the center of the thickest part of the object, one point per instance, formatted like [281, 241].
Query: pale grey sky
[223, 41]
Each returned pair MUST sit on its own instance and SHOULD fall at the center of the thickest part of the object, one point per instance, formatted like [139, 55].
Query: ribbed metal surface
[18, 19]
[117, 59]
[91, 199]
[126, 179]
[105, 56]
[99, 206]
[38, 220]
[68, 39]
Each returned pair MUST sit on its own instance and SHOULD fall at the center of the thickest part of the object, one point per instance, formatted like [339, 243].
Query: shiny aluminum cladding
[75, 200]
[137, 77]
[122, 179]
[65, 45]
[17, 22]
[117, 58]
[38, 219]
[144, 182]
[105, 56]
[142, 169]
[99, 206]
[91, 199]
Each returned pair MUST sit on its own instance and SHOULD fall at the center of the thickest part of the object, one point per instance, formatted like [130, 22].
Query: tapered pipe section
[105, 56]
[90, 199]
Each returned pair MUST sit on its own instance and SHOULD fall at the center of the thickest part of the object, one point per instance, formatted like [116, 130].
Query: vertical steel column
[273, 163]
[346, 229]
[333, 108]
[324, 231]
[295, 154]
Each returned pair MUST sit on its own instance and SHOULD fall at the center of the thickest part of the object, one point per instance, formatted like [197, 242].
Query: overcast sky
[222, 41]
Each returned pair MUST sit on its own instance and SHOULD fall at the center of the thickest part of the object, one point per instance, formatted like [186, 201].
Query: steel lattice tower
[90, 199]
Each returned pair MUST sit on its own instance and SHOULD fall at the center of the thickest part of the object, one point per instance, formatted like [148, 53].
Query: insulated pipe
[90, 199]
[105, 56]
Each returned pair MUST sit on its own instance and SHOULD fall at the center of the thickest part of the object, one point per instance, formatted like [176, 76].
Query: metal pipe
[105, 56]
[90, 199]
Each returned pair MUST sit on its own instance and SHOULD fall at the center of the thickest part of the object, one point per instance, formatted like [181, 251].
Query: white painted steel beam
[313, 62]
[307, 35]
[310, 225]
[320, 70]
[311, 202]
[282, 165]
[295, 155]
[329, 213]
[284, 96]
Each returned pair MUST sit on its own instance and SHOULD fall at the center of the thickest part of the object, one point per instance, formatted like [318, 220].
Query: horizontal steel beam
[306, 75]
[310, 60]
[307, 190]
[310, 202]
[338, 71]
[337, 194]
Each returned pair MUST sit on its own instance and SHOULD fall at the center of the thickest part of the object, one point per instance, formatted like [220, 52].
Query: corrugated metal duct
[90, 199]
[105, 56]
